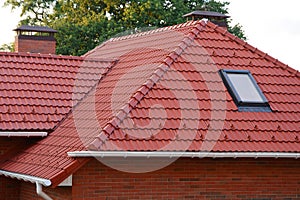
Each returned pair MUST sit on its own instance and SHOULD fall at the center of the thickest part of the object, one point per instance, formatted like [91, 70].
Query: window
[244, 90]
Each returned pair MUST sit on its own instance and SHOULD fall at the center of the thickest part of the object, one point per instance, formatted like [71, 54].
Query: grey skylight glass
[244, 90]
[245, 87]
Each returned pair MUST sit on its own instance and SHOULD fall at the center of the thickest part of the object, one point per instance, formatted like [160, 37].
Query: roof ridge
[40, 55]
[253, 49]
[95, 49]
[177, 26]
[167, 28]
[137, 97]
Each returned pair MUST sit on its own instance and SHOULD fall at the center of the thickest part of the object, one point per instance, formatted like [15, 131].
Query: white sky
[8, 21]
[272, 26]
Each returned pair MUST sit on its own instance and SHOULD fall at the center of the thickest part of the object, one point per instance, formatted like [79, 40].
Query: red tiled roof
[165, 94]
[37, 90]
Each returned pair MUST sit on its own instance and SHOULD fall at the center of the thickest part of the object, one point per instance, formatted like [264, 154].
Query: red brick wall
[9, 189]
[28, 192]
[8, 144]
[193, 179]
[5, 145]
[35, 46]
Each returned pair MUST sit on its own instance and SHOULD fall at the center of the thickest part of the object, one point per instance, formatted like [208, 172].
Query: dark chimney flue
[215, 17]
[35, 39]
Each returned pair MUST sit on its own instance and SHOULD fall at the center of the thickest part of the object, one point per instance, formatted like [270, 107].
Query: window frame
[235, 95]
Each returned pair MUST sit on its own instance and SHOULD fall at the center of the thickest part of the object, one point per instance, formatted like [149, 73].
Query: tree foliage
[83, 24]
[34, 11]
[8, 47]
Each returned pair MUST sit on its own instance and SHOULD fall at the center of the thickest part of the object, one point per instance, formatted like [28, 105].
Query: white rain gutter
[23, 134]
[160, 154]
[40, 182]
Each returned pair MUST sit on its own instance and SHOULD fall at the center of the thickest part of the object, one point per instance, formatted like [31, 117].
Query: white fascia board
[23, 134]
[160, 154]
[27, 178]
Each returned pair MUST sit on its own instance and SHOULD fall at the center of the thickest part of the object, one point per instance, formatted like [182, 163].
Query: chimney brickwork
[34, 39]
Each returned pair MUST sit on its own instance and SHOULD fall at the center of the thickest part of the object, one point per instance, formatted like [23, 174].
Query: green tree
[8, 47]
[238, 31]
[83, 24]
[36, 12]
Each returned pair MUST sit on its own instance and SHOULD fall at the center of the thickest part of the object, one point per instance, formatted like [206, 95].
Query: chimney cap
[206, 14]
[28, 28]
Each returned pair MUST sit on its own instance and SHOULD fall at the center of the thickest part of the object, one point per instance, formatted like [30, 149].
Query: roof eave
[23, 134]
[27, 178]
[165, 154]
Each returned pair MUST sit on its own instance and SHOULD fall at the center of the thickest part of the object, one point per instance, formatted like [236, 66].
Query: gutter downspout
[33, 179]
[40, 192]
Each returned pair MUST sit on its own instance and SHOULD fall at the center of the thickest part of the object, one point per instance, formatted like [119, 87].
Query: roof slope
[165, 94]
[37, 90]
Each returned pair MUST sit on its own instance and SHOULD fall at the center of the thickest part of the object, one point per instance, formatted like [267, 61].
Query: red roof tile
[163, 94]
[37, 90]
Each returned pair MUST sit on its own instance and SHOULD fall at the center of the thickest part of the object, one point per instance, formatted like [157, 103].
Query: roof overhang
[23, 134]
[27, 178]
[160, 154]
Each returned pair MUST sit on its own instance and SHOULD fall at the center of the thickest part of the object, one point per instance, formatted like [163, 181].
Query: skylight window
[244, 90]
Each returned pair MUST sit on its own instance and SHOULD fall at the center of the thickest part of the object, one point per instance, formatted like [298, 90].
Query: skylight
[244, 90]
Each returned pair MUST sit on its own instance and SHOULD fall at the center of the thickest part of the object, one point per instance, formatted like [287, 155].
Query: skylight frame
[243, 105]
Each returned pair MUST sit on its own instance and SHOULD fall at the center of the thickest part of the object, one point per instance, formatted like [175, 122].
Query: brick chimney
[215, 17]
[35, 39]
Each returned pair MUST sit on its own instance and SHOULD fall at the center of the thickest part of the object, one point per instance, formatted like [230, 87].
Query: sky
[272, 26]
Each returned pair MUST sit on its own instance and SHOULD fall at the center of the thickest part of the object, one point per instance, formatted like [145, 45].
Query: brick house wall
[193, 179]
[11, 144]
[5, 145]
[9, 188]
[28, 192]
[12, 189]
[259, 179]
